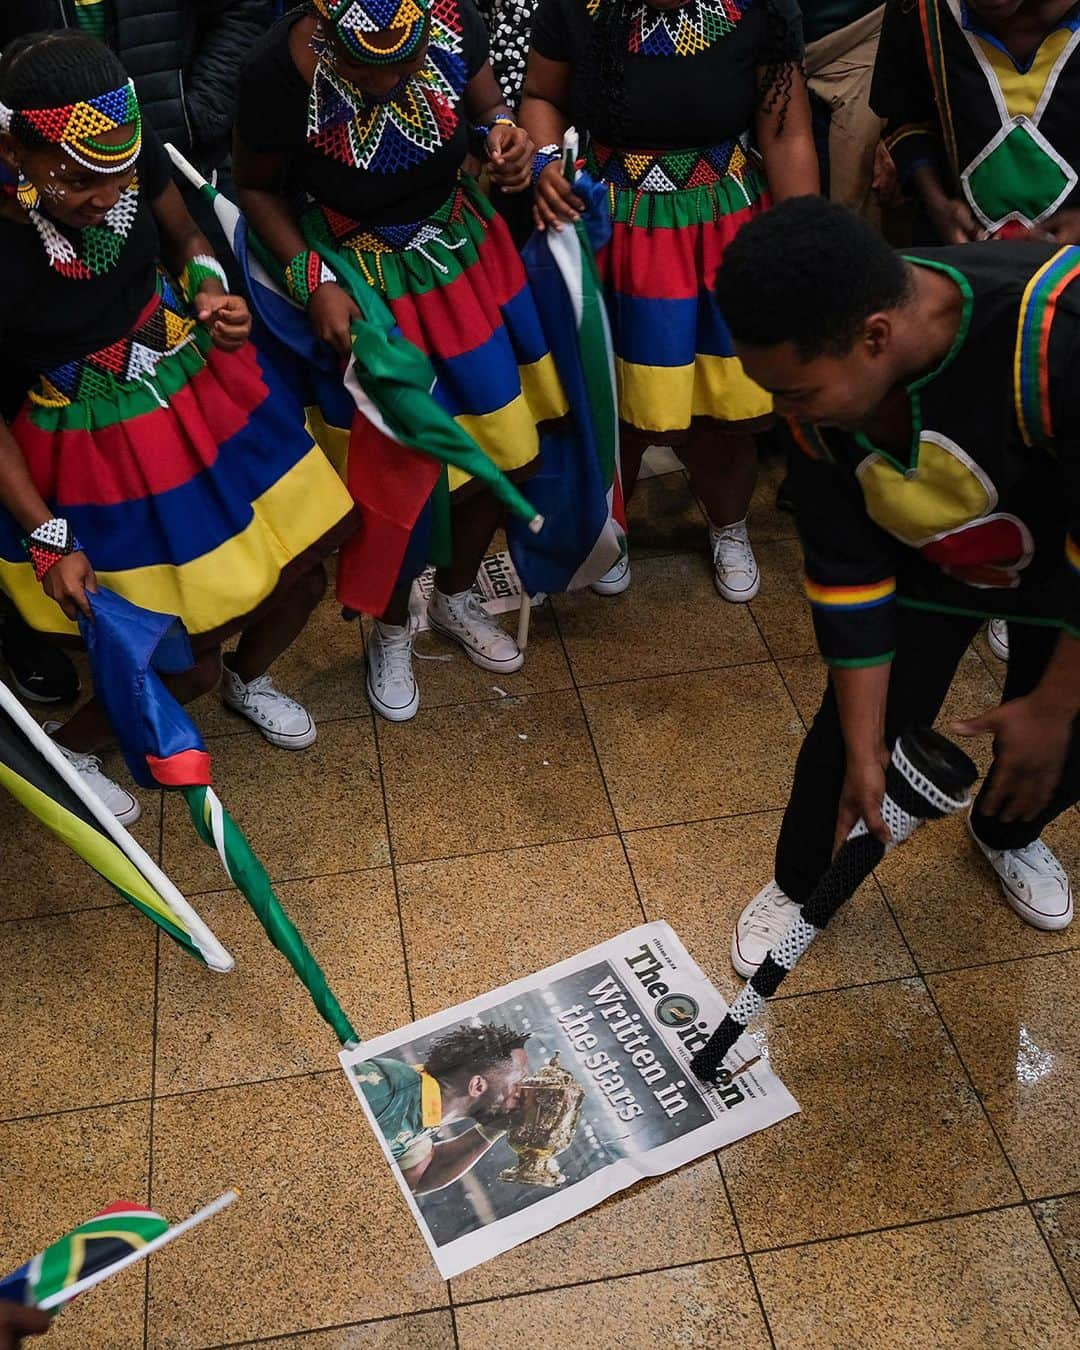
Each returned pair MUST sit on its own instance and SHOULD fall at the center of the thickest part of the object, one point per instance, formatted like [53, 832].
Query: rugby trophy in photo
[549, 1115]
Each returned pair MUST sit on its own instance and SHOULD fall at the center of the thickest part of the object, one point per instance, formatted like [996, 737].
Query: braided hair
[605, 76]
[47, 70]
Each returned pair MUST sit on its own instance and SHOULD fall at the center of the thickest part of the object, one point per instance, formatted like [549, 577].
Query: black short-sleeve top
[690, 74]
[47, 317]
[392, 161]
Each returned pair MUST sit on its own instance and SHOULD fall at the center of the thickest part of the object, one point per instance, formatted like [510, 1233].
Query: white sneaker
[462, 619]
[615, 580]
[391, 687]
[760, 927]
[997, 638]
[282, 720]
[119, 801]
[1033, 882]
[735, 569]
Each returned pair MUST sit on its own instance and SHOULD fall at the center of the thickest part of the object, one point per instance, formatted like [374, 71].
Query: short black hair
[472, 1049]
[49, 70]
[809, 273]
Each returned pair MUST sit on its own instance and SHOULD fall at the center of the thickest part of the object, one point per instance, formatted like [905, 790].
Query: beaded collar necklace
[406, 126]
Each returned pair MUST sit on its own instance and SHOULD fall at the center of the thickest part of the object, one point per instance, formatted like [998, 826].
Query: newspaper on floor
[511, 1113]
[497, 585]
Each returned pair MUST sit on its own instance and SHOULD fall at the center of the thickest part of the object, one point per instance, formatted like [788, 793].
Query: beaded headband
[356, 21]
[77, 127]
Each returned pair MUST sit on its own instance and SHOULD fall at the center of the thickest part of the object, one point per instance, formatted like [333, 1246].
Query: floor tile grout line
[331, 1326]
[600, 769]
[903, 1226]
[742, 1245]
[401, 933]
[746, 1255]
[1074, 1295]
[153, 1091]
[955, 1048]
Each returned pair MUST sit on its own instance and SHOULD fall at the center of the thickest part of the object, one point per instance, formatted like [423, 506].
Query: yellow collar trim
[430, 1099]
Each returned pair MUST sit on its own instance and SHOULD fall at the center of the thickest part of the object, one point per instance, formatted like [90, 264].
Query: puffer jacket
[184, 56]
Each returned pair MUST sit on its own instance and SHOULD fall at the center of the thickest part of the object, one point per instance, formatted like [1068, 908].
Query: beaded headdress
[356, 21]
[76, 128]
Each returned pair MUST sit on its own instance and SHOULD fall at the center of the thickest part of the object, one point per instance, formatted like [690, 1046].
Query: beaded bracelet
[50, 542]
[305, 274]
[201, 268]
[547, 154]
[484, 129]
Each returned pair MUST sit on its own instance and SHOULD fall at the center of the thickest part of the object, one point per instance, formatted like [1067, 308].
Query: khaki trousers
[839, 69]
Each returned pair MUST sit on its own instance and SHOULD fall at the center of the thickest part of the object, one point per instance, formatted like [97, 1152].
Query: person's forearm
[861, 693]
[1059, 689]
[17, 491]
[453, 1159]
[273, 222]
[545, 123]
[791, 166]
[927, 183]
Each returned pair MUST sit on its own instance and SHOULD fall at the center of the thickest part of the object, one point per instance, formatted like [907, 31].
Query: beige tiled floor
[928, 1194]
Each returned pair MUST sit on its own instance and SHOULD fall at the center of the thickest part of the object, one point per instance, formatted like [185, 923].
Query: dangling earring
[26, 194]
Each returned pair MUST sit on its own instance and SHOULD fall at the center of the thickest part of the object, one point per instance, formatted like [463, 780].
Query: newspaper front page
[595, 1093]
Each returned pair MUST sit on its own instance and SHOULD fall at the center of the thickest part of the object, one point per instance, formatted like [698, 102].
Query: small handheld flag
[109, 1242]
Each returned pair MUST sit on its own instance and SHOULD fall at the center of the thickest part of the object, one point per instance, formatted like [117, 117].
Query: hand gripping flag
[130, 648]
[37, 775]
[394, 456]
[577, 488]
[109, 1242]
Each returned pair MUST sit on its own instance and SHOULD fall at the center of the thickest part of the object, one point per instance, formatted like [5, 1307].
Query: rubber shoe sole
[739, 963]
[615, 587]
[737, 597]
[478, 658]
[1045, 923]
[300, 741]
[405, 714]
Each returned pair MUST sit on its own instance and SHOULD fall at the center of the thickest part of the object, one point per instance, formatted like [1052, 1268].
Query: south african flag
[120, 1235]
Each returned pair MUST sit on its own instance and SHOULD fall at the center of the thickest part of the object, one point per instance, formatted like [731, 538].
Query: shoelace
[397, 656]
[766, 922]
[83, 763]
[732, 551]
[262, 689]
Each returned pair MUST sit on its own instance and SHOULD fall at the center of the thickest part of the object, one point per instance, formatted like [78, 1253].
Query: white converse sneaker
[391, 687]
[997, 638]
[735, 569]
[1033, 882]
[461, 619]
[282, 720]
[615, 580]
[760, 927]
[119, 801]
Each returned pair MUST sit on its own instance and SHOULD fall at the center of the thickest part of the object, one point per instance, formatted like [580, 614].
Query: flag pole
[209, 948]
[524, 620]
[63, 1296]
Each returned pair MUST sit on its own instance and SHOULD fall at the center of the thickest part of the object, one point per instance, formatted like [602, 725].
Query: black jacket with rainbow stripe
[983, 514]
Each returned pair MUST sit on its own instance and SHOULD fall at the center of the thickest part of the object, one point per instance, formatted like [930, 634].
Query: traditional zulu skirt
[674, 213]
[186, 473]
[456, 287]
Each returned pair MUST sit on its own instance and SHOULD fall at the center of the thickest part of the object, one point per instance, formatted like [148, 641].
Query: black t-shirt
[272, 117]
[47, 319]
[675, 102]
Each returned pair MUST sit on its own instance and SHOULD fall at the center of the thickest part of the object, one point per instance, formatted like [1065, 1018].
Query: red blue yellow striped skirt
[186, 473]
[457, 288]
[674, 213]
